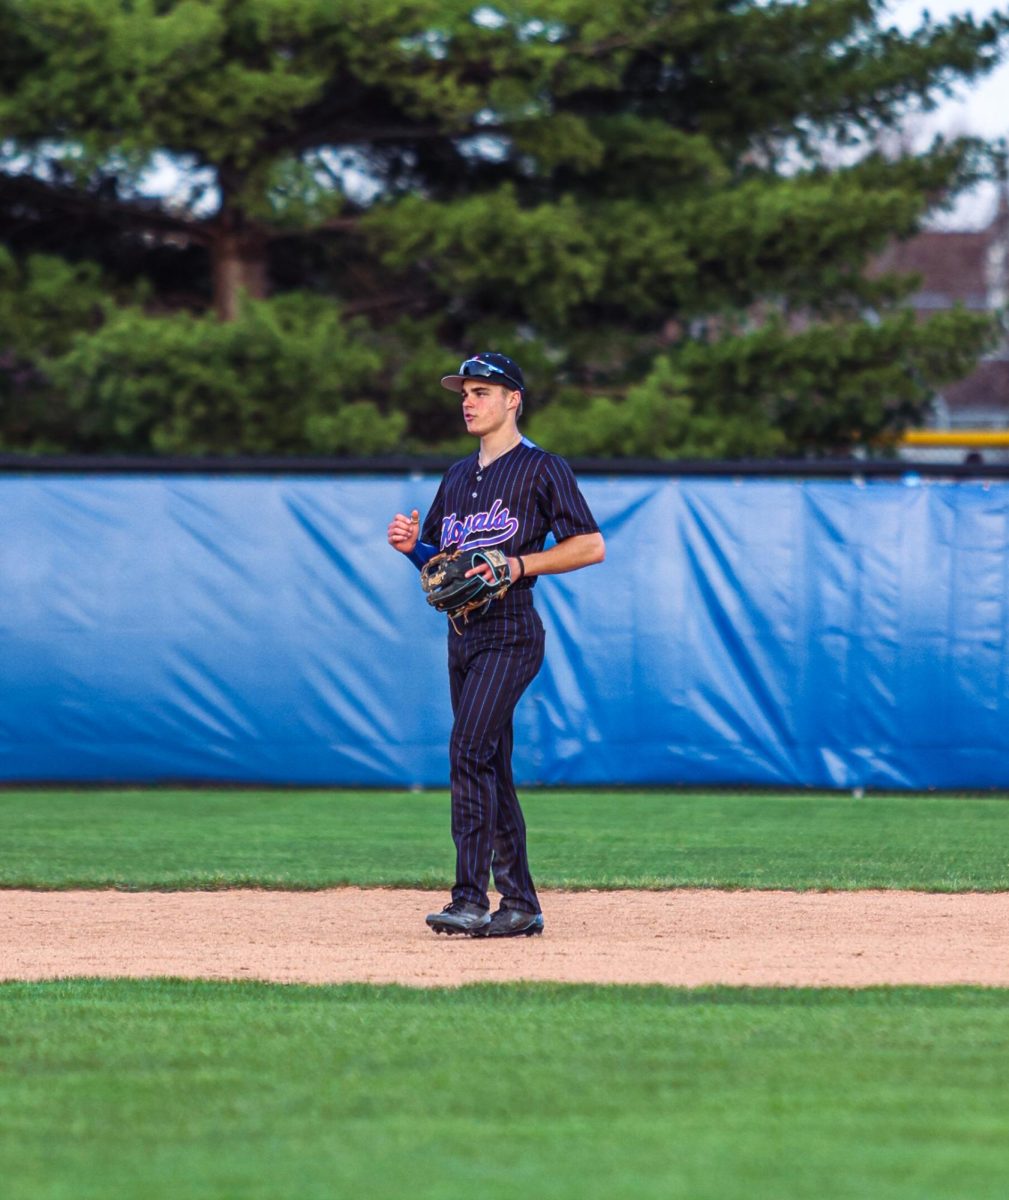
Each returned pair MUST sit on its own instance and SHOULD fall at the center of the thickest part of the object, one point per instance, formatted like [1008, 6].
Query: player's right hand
[404, 531]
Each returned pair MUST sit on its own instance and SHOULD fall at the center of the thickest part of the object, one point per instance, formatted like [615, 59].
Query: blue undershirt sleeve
[421, 553]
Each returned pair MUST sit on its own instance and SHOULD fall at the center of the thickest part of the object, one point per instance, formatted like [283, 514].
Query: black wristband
[522, 567]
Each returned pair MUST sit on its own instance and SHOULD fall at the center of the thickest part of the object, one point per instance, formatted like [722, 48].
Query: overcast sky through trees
[983, 109]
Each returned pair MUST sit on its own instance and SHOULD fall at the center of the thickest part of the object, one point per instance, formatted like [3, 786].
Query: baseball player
[509, 494]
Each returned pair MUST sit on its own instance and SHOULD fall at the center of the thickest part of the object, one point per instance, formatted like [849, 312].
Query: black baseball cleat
[459, 917]
[511, 922]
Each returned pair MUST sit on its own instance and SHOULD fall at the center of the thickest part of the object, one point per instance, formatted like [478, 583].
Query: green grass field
[298, 839]
[163, 1088]
[166, 1089]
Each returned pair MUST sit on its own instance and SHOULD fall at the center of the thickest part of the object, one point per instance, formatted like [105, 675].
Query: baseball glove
[448, 590]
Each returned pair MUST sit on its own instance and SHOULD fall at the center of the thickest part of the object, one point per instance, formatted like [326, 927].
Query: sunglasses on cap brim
[475, 368]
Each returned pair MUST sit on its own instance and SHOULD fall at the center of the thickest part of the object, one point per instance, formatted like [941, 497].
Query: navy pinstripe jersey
[513, 504]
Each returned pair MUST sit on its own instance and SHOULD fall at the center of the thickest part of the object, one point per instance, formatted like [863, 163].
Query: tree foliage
[665, 209]
[288, 376]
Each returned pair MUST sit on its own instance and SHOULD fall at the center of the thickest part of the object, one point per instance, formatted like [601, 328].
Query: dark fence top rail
[839, 468]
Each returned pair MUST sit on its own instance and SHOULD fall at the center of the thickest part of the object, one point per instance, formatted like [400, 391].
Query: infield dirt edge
[684, 937]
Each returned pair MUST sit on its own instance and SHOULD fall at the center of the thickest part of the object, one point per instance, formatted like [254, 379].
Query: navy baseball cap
[497, 368]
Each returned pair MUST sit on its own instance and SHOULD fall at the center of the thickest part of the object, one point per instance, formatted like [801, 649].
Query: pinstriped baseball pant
[490, 666]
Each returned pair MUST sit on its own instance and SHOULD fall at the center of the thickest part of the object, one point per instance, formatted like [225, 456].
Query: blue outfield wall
[259, 629]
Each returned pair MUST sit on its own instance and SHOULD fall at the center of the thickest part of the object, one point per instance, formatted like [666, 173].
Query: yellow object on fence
[956, 437]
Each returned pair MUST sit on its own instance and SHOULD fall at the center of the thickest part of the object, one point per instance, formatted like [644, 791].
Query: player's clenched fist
[403, 532]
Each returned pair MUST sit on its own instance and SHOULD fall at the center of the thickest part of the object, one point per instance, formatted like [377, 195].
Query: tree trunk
[238, 260]
[237, 249]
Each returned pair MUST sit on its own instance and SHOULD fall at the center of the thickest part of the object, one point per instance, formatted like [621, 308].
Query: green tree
[642, 200]
[45, 302]
[287, 376]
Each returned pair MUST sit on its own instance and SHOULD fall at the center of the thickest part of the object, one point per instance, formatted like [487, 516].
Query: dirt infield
[688, 937]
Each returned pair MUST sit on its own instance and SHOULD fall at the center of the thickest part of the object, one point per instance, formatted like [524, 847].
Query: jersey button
[474, 495]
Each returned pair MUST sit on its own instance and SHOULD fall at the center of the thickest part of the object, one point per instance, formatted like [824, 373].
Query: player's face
[487, 407]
